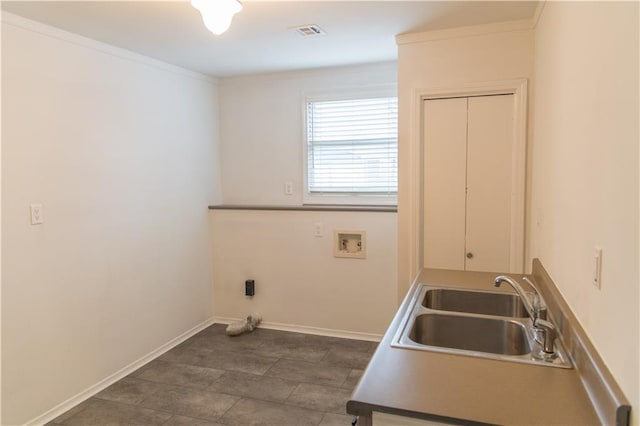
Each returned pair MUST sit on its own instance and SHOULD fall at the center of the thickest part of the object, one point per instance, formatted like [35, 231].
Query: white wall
[444, 60]
[122, 153]
[585, 171]
[0, 230]
[261, 128]
[299, 282]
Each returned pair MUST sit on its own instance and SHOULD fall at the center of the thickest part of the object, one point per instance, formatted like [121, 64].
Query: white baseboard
[372, 337]
[94, 389]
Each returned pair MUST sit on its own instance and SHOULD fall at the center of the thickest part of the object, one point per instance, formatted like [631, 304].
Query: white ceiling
[260, 39]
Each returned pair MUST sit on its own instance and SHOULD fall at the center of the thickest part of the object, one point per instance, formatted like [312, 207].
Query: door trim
[518, 88]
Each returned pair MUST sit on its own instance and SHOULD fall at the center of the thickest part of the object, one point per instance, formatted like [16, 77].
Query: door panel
[444, 171]
[489, 180]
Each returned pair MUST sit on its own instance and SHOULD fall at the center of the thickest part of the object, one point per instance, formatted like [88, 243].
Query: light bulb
[217, 14]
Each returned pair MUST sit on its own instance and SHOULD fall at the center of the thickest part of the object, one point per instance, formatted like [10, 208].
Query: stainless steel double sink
[475, 323]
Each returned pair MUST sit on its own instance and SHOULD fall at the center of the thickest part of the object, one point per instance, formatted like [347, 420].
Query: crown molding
[78, 40]
[538, 12]
[460, 32]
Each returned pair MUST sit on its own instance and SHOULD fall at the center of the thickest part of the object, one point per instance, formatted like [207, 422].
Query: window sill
[311, 208]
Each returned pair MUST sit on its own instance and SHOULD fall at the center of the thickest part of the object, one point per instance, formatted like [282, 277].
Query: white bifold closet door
[468, 149]
[445, 173]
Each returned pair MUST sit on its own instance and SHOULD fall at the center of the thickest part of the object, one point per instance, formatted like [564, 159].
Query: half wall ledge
[310, 208]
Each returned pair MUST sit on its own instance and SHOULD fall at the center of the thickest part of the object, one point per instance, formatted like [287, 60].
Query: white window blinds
[352, 147]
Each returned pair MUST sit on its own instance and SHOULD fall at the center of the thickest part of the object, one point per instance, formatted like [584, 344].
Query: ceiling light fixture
[217, 14]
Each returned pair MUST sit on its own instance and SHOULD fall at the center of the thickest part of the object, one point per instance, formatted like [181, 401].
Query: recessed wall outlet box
[350, 244]
[36, 214]
[249, 288]
[597, 268]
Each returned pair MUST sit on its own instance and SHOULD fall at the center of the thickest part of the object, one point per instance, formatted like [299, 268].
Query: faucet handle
[549, 334]
[539, 307]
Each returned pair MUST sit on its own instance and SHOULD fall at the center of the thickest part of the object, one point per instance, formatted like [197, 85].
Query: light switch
[288, 188]
[597, 268]
[36, 214]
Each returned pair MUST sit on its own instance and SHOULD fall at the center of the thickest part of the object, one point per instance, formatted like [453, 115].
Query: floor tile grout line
[296, 384]
[346, 378]
[251, 352]
[169, 362]
[250, 374]
[208, 390]
[322, 419]
[264, 374]
[156, 391]
[134, 406]
[183, 387]
[262, 399]
[186, 386]
[283, 404]
[191, 416]
[292, 392]
[289, 403]
[309, 381]
[240, 398]
[314, 383]
[225, 369]
[85, 402]
[312, 409]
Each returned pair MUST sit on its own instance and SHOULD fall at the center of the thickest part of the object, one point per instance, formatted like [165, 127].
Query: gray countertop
[459, 388]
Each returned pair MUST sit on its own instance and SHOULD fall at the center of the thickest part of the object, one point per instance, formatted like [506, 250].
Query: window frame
[353, 199]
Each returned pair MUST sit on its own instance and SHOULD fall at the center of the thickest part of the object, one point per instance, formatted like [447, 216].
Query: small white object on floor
[249, 324]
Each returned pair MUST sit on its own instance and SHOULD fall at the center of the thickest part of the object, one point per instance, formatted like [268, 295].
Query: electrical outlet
[317, 230]
[597, 268]
[250, 288]
[36, 214]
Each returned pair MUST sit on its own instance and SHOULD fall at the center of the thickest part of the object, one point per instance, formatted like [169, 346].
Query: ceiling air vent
[309, 30]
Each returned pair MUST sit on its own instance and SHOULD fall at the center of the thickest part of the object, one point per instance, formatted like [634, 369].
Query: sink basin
[469, 322]
[495, 336]
[475, 302]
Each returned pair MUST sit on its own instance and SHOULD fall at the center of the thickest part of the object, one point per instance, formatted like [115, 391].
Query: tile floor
[266, 377]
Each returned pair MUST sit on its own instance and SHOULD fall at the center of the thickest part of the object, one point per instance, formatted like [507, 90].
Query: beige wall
[585, 171]
[261, 127]
[121, 152]
[444, 60]
[299, 282]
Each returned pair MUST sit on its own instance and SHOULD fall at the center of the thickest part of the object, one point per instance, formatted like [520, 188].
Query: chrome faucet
[544, 330]
[537, 309]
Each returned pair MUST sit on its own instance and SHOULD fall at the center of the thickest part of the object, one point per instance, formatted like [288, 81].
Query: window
[352, 150]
